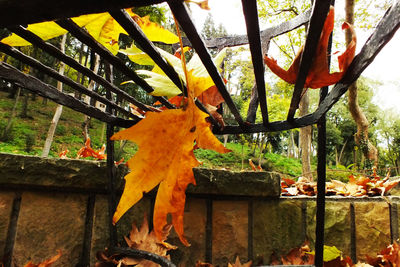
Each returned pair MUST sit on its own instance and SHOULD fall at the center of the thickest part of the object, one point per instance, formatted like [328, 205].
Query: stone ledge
[34, 171]
[222, 182]
[84, 175]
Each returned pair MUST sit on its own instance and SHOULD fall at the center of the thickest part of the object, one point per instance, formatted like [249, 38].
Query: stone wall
[51, 204]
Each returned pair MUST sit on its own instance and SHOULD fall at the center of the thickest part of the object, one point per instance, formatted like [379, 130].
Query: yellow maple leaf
[165, 157]
[154, 31]
[101, 27]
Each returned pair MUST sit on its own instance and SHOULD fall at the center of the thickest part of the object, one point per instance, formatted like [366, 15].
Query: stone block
[372, 222]
[195, 231]
[6, 204]
[277, 228]
[229, 232]
[337, 225]
[49, 222]
[222, 182]
[101, 231]
[29, 171]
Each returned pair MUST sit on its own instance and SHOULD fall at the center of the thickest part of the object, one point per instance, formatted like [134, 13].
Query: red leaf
[318, 75]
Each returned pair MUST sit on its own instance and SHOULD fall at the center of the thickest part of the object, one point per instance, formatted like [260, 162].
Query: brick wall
[50, 204]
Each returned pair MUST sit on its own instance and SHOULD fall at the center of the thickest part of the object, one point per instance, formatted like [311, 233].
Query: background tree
[369, 150]
[210, 31]
[59, 108]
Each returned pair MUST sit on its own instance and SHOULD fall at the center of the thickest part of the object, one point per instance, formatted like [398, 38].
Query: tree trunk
[226, 136]
[305, 139]
[361, 138]
[341, 152]
[7, 129]
[58, 112]
[86, 121]
[292, 149]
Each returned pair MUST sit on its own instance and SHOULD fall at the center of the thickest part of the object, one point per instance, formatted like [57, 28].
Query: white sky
[385, 67]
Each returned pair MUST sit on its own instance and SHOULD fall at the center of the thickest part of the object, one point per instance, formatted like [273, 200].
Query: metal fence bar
[9, 73]
[54, 74]
[131, 27]
[253, 32]
[179, 10]
[319, 13]
[55, 52]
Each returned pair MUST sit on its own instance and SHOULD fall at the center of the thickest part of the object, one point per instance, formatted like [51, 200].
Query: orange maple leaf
[63, 154]
[87, 151]
[318, 75]
[166, 157]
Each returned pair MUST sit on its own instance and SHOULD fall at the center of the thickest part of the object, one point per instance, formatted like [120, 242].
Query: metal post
[111, 172]
[321, 173]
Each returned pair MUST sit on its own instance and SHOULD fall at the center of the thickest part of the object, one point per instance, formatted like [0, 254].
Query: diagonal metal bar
[268, 33]
[55, 52]
[253, 32]
[33, 84]
[54, 74]
[44, 10]
[183, 17]
[131, 27]
[85, 38]
[319, 13]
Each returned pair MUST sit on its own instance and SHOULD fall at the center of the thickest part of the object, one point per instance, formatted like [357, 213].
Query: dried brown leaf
[239, 264]
[142, 239]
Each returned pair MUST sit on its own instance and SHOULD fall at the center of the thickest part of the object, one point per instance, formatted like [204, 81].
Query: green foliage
[6, 136]
[60, 130]
[282, 164]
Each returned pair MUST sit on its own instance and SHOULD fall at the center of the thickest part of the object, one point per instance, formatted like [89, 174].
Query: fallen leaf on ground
[144, 240]
[388, 257]
[356, 187]
[63, 154]
[87, 151]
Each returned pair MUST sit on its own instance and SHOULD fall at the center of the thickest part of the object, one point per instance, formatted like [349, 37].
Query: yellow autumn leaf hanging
[161, 160]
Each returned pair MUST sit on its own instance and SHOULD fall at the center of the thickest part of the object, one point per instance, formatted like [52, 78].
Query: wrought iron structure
[13, 14]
